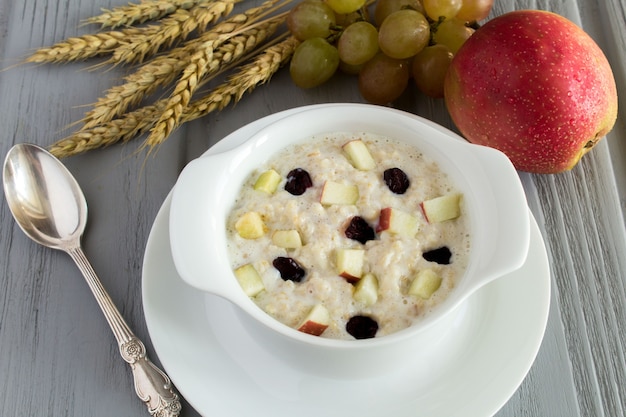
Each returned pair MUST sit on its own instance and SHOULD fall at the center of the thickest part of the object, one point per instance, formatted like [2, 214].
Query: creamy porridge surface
[393, 259]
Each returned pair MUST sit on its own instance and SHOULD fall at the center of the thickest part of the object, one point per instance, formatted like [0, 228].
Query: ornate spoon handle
[152, 385]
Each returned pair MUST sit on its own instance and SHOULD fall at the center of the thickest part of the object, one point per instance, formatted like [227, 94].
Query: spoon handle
[152, 385]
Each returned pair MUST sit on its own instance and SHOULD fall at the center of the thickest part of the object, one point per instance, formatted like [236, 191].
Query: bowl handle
[197, 223]
[505, 241]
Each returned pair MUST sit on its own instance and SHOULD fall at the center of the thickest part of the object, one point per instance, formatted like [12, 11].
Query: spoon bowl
[44, 197]
[49, 206]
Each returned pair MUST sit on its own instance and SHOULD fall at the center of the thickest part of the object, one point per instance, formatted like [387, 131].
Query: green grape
[350, 69]
[313, 62]
[358, 43]
[311, 19]
[453, 34]
[345, 6]
[383, 79]
[385, 7]
[447, 9]
[429, 69]
[474, 10]
[403, 34]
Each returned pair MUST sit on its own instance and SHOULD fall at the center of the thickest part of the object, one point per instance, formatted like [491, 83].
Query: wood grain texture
[57, 355]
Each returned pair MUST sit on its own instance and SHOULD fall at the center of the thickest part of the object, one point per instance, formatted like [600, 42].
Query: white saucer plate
[220, 370]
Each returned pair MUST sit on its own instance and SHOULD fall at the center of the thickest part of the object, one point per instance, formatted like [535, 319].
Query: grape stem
[337, 30]
[434, 25]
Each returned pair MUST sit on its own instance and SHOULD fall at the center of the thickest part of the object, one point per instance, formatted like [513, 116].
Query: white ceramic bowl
[208, 186]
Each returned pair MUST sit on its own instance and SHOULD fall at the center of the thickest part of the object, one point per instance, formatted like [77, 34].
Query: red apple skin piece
[384, 220]
[350, 278]
[535, 86]
[313, 328]
[316, 321]
[388, 220]
[346, 274]
[424, 211]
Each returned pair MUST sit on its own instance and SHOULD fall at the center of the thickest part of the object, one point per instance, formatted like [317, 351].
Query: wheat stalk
[137, 122]
[137, 13]
[177, 26]
[187, 84]
[163, 69]
[136, 86]
[202, 64]
[78, 48]
[249, 76]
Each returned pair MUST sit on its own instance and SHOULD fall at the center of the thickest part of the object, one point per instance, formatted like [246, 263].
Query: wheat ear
[163, 70]
[183, 90]
[137, 13]
[137, 122]
[246, 79]
[203, 64]
[129, 126]
[133, 45]
[116, 100]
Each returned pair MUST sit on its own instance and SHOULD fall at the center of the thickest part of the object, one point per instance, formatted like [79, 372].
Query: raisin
[289, 269]
[298, 180]
[396, 180]
[362, 327]
[440, 255]
[360, 230]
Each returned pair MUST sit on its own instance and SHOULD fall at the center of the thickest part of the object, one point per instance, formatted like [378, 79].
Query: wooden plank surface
[57, 355]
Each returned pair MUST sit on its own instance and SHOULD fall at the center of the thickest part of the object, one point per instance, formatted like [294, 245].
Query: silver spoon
[50, 207]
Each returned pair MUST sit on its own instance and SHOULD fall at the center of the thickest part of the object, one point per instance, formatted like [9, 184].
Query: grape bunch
[403, 39]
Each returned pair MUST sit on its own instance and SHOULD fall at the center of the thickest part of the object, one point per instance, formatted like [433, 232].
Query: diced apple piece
[250, 225]
[398, 222]
[366, 290]
[359, 155]
[426, 282]
[337, 193]
[440, 209]
[316, 321]
[249, 279]
[349, 263]
[288, 239]
[268, 181]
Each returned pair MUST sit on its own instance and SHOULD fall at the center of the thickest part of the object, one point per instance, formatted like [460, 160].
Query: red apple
[535, 86]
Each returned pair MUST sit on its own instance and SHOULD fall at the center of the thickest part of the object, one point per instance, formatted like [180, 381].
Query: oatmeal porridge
[348, 236]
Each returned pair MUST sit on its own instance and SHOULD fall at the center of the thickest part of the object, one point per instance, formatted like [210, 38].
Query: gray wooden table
[57, 356]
